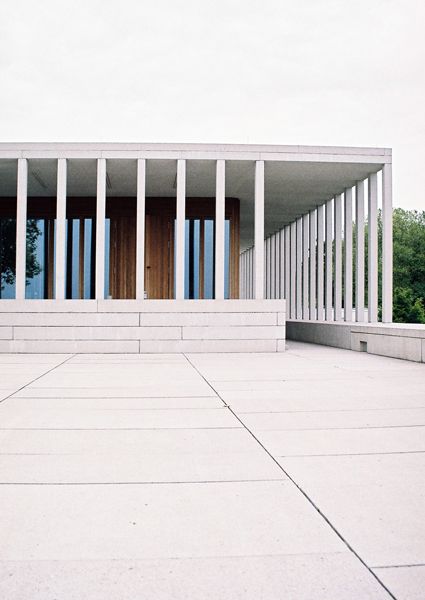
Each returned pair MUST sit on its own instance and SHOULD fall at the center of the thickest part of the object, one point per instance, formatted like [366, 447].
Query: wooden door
[122, 257]
[159, 256]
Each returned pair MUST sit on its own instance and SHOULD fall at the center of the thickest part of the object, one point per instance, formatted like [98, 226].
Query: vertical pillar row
[293, 247]
[320, 266]
[338, 257]
[100, 229]
[21, 229]
[313, 273]
[287, 268]
[220, 201]
[348, 254]
[387, 244]
[60, 230]
[372, 254]
[299, 227]
[180, 228]
[305, 261]
[359, 295]
[280, 289]
[140, 229]
[328, 263]
[259, 231]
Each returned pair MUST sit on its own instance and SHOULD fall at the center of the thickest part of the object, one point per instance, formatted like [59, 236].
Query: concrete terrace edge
[141, 326]
[395, 340]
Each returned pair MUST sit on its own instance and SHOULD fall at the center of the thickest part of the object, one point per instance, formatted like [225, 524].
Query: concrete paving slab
[356, 419]
[406, 583]
[185, 390]
[300, 577]
[159, 521]
[148, 467]
[114, 404]
[34, 418]
[375, 502]
[318, 442]
[220, 501]
[185, 442]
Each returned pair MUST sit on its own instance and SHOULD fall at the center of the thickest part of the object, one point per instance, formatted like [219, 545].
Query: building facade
[192, 247]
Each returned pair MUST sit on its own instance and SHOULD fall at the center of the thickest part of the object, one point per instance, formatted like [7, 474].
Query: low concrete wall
[133, 326]
[397, 340]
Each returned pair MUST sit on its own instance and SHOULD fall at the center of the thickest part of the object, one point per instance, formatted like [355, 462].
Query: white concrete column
[140, 229]
[312, 302]
[60, 251]
[282, 256]
[287, 267]
[348, 254]
[100, 228]
[267, 265]
[299, 284]
[306, 308]
[259, 230]
[273, 266]
[387, 245]
[320, 258]
[249, 278]
[251, 272]
[292, 295]
[277, 275]
[180, 228]
[220, 202]
[338, 257]
[359, 296]
[372, 268]
[21, 229]
[328, 262]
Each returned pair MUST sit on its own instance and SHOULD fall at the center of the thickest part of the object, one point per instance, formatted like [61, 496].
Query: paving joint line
[399, 566]
[39, 377]
[304, 493]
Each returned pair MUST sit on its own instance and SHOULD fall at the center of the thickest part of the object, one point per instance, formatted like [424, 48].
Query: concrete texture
[396, 340]
[134, 326]
[294, 475]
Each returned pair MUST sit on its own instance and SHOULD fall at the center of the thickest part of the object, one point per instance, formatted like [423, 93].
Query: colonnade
[309, 262]
[313, 263]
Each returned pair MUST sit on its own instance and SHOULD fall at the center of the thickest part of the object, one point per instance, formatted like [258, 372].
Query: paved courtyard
[296, 476]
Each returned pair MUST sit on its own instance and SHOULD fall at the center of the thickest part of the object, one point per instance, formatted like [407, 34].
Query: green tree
[8, 251]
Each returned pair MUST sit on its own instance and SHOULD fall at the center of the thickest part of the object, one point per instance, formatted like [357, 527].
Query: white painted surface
[21, 228]
[306, 277]
[320, 264]
[140, 229]
[259, 231]
[338, 257]
[100, 228]
[220, 200]
[348, 254]
[313, 265]
[60, 233]
[360, 257]
[180, 228]
[387, 245]
[329, 261]
[372, 269]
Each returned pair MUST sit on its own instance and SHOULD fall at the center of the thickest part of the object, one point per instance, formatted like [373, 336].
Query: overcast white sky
[320, 72]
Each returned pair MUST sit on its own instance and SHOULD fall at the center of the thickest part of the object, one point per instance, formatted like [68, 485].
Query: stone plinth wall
[134, 326]
[397, 340]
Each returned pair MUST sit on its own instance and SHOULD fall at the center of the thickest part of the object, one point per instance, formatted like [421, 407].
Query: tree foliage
[409, 266]
[8, 251]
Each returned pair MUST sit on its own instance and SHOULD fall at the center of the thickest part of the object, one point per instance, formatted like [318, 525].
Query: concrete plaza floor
[260, 476]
